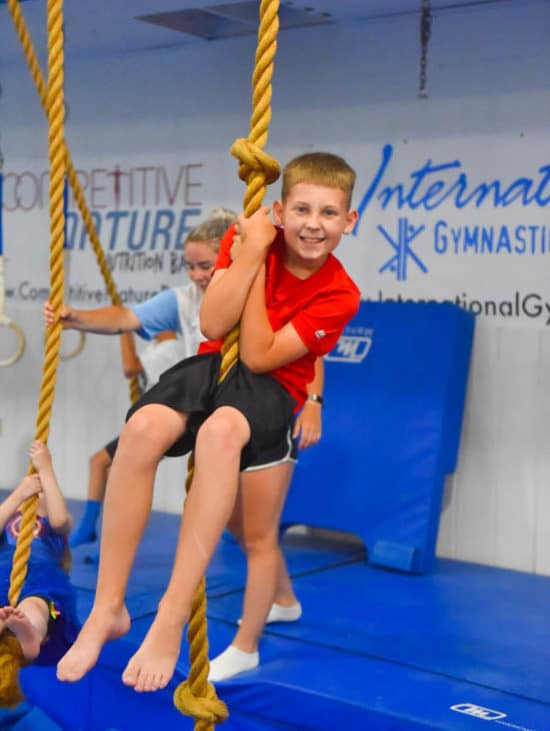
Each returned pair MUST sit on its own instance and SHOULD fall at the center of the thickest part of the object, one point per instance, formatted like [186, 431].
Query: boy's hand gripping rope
[197, 696]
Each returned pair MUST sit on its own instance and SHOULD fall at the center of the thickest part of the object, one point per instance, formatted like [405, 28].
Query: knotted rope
[196, 696]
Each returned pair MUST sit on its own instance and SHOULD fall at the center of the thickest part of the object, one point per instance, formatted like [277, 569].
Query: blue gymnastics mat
[375, 648]
[395, 388]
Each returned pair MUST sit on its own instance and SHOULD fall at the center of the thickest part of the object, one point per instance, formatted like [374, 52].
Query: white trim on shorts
[287, 457]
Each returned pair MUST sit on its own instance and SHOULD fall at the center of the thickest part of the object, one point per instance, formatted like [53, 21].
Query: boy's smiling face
[314, 218]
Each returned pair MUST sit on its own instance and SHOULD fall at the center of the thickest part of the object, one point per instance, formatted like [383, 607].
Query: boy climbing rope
[293, 299]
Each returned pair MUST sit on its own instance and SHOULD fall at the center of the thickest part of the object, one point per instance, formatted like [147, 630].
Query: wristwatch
[316, 397]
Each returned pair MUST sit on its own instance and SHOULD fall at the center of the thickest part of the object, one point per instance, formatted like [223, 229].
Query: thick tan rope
[55, 108]
[42, 89]
[196, 696]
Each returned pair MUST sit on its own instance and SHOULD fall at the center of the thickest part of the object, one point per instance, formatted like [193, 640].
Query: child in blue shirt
[44, 623]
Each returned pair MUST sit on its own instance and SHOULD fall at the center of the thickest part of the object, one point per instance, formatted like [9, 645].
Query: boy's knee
[148, 433]
[226, 431]
[137, 426]
[142, 435]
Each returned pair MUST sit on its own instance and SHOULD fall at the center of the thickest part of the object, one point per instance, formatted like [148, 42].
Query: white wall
[351, 90]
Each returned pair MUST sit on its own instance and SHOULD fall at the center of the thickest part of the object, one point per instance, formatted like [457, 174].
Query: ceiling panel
[104, 26]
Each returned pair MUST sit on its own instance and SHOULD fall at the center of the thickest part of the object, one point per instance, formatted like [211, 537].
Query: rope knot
[254, 161]
[204, 708]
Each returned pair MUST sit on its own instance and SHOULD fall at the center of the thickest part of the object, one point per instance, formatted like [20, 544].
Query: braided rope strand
[196, 696]
[57, 238]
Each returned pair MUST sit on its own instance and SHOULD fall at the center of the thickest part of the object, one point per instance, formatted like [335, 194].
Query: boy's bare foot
[101, 626]
[5, 613]
[28, 635]
[152, 667]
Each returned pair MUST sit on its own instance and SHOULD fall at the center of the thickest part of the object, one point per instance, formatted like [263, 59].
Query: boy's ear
[278, 213]
[351, 220]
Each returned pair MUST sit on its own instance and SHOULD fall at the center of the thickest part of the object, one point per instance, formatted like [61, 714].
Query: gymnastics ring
[79, 348]
[6, 322]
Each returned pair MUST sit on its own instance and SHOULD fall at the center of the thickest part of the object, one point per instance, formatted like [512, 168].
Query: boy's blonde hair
[319, 168]
[211, 230]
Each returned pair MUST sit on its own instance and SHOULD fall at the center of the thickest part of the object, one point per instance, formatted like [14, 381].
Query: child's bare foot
[28, 635]
[101, 626]
[5, 613]
[152, 667]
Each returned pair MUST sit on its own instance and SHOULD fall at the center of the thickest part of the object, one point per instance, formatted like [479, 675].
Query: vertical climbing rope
[42, 89]
[57, 236]
[196, 696]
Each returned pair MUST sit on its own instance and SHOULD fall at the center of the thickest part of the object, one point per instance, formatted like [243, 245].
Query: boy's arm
[56, 508]
[225, 296]
[131, 364]
[315, 388]
[261, 349]
[309, 422]
[104, 320]
[29, 485]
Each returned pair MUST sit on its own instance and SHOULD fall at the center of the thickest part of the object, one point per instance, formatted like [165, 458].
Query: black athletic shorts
[110, 448]
[191, 387]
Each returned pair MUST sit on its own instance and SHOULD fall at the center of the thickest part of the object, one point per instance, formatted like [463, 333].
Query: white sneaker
[232, 661]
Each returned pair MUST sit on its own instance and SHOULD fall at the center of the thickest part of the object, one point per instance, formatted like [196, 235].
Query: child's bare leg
[145, 438]
[284, 592]
[261, 499]
[207, 510]
[29, 623]
[100, 464]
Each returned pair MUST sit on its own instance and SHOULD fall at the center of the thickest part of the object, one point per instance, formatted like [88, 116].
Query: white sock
[279, 613]
[232, 661]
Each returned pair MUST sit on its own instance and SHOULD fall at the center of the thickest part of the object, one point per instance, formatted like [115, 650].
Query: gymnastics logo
[403, 251]
[441, 189]
[353, 346]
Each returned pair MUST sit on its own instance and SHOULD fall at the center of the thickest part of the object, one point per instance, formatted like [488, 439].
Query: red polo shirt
[318, 307]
